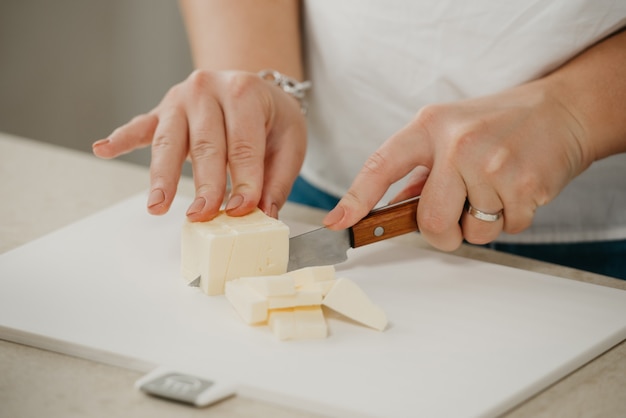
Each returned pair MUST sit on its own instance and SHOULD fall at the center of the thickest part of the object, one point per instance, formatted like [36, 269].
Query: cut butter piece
[298, 323]
[300, 298]
[322, 287]
[206, 250]
[289, 303]
[312, 274]
[348, 299]
[277, 285]
[249, 304]
[229, 247]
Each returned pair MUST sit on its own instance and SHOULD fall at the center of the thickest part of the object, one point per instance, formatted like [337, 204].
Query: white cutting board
[466, 339]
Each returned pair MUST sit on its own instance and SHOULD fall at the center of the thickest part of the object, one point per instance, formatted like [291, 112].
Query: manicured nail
[334, 216]
[274, 211]
[101, 142]
[156, 198]
[234, 202]
[196, 206]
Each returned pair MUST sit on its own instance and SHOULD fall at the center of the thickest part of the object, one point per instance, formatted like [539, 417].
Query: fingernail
[334, 216]
[101, 142]
[274, 211]
[156, 198]
[234, 202]
[196, 206]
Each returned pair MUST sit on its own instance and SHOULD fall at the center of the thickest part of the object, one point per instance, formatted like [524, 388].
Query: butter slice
[348, 299]
[206, 251]
[313, 274]
[249, 304]
[227, 248]
[322, 287]
[298, 323]
[281, 285]
[300, 298]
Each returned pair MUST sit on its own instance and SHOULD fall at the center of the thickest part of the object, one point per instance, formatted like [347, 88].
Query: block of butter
[228, 247]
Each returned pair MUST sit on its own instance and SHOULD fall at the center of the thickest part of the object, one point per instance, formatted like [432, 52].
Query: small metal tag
[176, 386]
[184, 388]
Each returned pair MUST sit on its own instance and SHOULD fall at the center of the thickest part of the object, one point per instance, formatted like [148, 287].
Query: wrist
[592, 88]
[558, 93]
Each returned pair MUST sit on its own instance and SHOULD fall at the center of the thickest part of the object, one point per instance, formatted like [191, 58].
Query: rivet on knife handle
[386, 222]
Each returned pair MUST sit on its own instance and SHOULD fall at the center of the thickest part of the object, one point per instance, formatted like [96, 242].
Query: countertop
[45, 187]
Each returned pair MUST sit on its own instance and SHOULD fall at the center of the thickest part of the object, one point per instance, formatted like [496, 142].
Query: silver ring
[484, 216]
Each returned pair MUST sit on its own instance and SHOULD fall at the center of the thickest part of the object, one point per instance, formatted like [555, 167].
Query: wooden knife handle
[386, 222]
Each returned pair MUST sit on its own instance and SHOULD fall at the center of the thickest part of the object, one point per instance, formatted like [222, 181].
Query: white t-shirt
[375, 63]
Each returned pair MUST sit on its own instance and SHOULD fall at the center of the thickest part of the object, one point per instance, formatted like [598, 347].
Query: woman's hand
[513, 151]
[223, 121]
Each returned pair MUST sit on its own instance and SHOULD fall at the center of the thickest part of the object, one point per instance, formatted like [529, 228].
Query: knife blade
[323, 246]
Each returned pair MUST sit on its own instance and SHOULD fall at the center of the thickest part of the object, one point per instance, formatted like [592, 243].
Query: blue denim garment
[305, 193]
[602, 257]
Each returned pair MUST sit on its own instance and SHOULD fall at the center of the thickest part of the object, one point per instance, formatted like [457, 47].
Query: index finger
[398, 156]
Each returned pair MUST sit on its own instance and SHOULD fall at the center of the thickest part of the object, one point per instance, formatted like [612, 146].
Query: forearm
[592, 87]
[248, 35]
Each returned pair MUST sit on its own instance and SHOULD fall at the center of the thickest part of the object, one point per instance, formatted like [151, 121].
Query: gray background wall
[71, 71]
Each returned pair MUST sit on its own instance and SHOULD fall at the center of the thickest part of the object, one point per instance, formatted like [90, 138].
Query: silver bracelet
[289, 85]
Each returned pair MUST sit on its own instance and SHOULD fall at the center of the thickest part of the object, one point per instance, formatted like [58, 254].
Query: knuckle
[375, 165]
[531, 187]
[496, 162]
[241, 152]
[159, 179]
[240, 84]
[209, 190]
[203, 148]
[200, 79]
[354, 200]
[542, 195]
[515, 226]
[518, 216]
[172, 94]
[467, 144]
[432, 224]
[478, 237]
[431, 121]
[162, 141]
[200, 85]
[430, 116]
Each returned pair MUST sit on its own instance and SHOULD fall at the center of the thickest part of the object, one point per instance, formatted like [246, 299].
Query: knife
[324, 246]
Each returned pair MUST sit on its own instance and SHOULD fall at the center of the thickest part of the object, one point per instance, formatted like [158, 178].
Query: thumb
[135, 134]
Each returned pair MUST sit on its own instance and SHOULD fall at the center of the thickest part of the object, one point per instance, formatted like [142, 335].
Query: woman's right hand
[229, 121]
